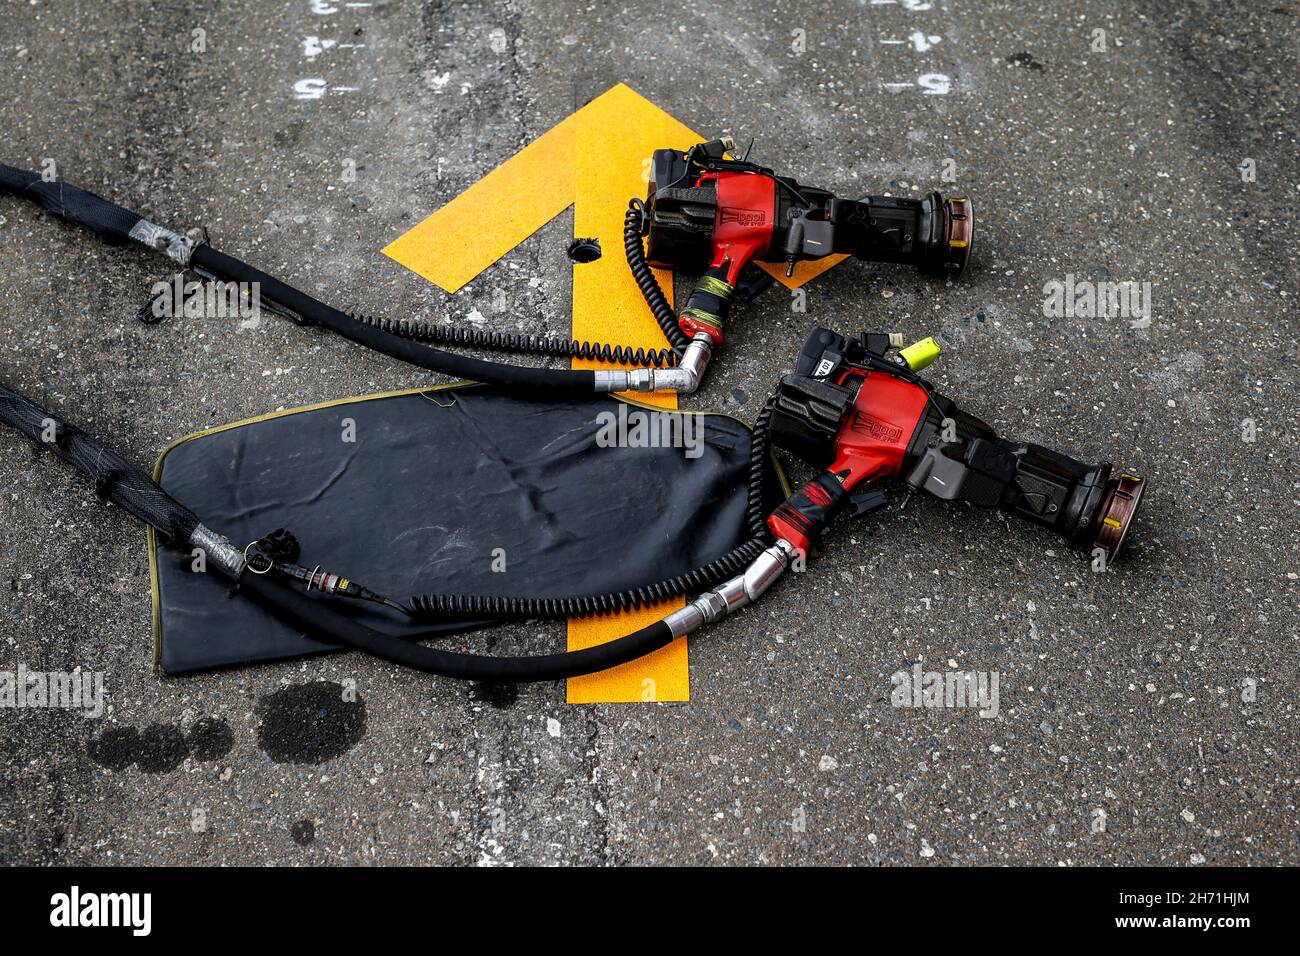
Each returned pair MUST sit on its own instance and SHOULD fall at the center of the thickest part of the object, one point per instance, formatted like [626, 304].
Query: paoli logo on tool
[76, 909]
[874, 428]
[745, 217]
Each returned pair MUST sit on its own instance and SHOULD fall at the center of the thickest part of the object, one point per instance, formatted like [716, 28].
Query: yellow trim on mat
[156, 597]
[157, 476]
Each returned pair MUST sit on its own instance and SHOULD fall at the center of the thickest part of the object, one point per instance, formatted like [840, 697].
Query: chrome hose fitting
[683, 379]
[730, 596]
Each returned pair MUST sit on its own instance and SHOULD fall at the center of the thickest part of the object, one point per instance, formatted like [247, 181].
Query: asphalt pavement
[1145, 714]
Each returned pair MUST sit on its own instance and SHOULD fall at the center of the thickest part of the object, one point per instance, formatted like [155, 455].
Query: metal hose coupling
[745, 588]
[161, 239]
[685, 378]
[217, 549]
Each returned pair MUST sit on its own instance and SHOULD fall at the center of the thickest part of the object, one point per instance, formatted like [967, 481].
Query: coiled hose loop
[419, 330]
[633, 223]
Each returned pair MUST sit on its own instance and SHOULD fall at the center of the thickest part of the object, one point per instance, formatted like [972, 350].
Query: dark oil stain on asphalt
[310, 723]
[115, 748]
[1024, 59]
[162, 747]
[159, 748]
[303, 832]
[211, 738]
[500, 696]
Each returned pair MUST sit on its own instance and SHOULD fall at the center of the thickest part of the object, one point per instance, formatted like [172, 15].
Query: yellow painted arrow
[595, 161]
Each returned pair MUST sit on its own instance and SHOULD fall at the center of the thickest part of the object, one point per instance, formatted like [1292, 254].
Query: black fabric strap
[315, 312]
[69, 202]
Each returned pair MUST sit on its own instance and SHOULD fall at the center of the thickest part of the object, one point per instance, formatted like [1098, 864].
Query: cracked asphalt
[1146, 714]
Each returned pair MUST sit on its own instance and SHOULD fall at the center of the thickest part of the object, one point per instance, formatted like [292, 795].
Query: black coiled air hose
[633, 227]
[315, 312]
[118, 224]
[134, 490]
[418, 330]
[319, 620]
[700, 579]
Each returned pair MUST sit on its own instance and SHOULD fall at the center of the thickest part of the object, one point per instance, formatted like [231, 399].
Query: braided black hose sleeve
[654, 296]
[115, 479]
[418, 330]
[108, 219]
[693, 582]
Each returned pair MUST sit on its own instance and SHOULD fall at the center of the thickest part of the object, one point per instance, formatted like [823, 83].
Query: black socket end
[584, 250]
[955, 234]
[1119, 505]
